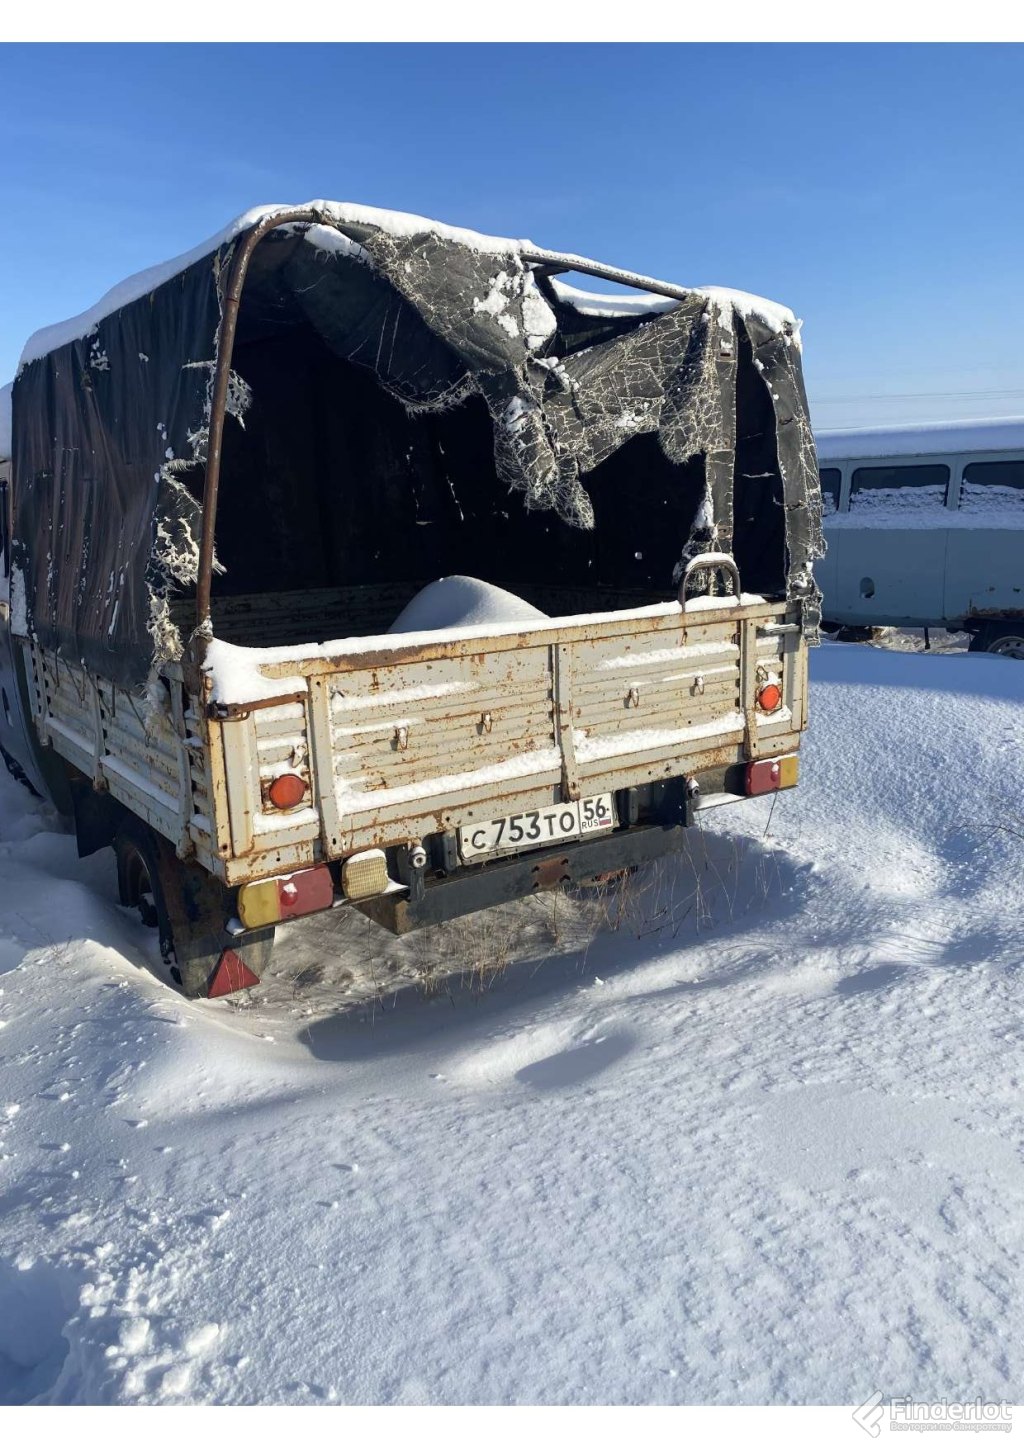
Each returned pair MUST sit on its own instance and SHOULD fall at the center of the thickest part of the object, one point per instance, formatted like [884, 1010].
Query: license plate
[538, 827]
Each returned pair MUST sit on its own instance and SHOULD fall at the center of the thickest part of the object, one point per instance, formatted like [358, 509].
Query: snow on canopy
[112, 408]
[397, 224]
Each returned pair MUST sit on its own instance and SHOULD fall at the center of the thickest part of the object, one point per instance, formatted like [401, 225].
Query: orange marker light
[287, 791]
[769, 698]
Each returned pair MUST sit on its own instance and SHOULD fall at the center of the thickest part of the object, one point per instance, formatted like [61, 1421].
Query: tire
[186, 905]
[139, 883]
[1005, 639]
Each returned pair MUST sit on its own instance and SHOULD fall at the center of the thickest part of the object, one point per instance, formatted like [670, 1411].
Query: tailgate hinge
[561, 679]
[748, 684]
[321, 742]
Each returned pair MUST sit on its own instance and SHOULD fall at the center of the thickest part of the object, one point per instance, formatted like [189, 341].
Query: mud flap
[197, 908]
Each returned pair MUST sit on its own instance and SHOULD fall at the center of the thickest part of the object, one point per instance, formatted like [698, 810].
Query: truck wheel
[190, 909]
[1000, 638]
[138, 881]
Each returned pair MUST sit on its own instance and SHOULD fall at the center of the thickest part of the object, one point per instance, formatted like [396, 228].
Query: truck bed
[402, 736]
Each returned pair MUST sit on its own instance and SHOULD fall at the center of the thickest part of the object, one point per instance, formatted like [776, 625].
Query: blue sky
[876, 190]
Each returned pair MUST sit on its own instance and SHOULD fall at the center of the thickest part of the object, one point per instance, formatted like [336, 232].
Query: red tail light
[284, 897]
[769, 774]
[287, 791]
[769, 698]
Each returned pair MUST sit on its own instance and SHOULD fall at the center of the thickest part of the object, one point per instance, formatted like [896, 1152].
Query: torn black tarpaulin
[111, 429]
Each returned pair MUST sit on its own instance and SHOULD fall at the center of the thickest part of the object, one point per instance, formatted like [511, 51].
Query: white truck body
[399, 740]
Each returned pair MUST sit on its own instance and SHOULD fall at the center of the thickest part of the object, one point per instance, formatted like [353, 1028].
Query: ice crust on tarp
[111, 410]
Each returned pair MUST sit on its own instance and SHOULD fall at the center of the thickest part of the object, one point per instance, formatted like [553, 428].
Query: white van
[925, 527]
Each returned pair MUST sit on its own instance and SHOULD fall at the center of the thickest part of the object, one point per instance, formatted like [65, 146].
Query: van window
[830, 480]
[993, 488]
[897, 491]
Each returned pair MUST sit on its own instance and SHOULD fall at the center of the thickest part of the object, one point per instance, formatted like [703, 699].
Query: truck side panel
[154, 761]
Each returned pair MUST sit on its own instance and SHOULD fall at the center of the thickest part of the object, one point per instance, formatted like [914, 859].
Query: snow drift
[763, 1148]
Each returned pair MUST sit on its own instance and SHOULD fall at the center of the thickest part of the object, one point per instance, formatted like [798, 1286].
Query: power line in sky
[901, 396]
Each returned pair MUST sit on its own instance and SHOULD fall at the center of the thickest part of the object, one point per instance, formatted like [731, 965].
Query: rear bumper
[471, 889]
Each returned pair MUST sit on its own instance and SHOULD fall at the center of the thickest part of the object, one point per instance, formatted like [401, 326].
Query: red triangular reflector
[231, 974]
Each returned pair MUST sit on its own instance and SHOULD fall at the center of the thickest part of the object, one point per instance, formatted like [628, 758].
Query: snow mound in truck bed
[452, 602]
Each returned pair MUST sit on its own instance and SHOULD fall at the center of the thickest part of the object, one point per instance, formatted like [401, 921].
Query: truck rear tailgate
[409, 735]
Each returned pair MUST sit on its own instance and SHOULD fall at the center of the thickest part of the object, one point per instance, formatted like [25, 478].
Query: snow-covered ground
[762, 1143]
